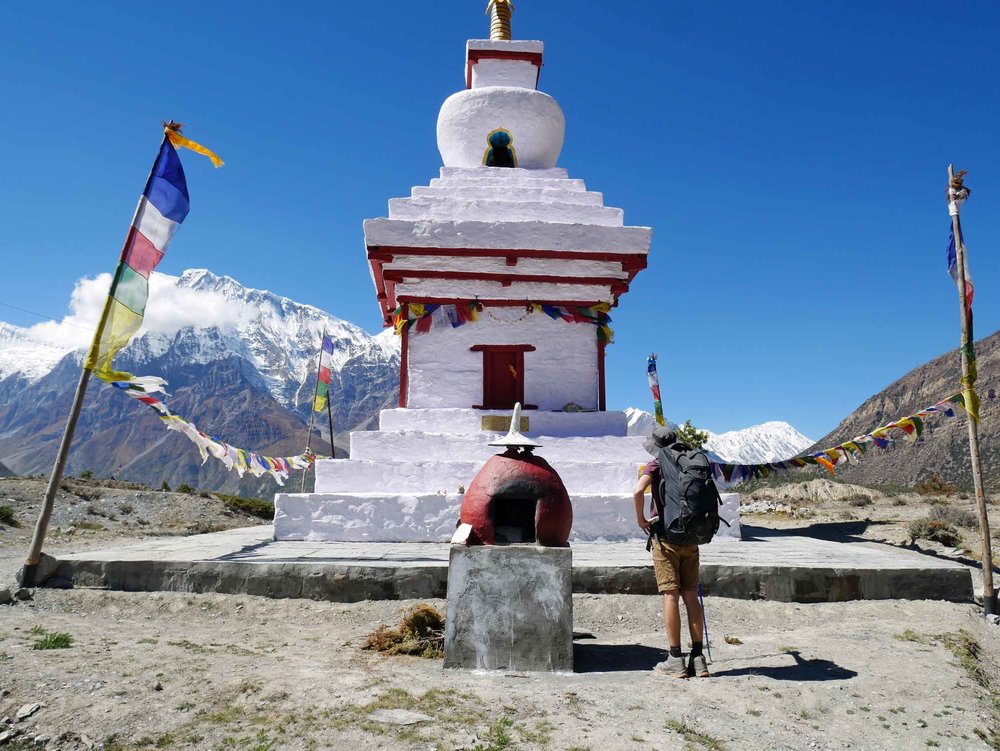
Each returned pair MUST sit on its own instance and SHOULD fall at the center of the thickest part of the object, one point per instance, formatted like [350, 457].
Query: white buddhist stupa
[498, 277]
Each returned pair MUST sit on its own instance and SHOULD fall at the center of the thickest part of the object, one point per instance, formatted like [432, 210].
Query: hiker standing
[687, 515]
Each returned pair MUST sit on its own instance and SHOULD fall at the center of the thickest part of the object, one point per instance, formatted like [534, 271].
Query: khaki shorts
[675, 566]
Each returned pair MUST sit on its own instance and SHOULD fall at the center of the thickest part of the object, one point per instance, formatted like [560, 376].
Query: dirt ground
[832, 510]
[170, 670]
[173, 670]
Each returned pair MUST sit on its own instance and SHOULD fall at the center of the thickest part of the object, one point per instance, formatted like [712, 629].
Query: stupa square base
[767, 565]
[510, 607]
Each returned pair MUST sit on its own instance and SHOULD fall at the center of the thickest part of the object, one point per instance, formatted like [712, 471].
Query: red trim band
[502, 347]
[385, 285]
[602, 401]
[404, 369]
[535, 58]
[398, 275]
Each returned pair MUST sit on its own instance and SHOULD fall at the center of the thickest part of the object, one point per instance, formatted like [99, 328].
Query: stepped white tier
[499, 276]
[404, 482]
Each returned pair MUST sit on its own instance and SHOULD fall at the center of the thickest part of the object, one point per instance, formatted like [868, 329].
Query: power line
[45, 317]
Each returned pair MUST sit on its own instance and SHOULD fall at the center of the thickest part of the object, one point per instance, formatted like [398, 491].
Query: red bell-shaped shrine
[517, 497]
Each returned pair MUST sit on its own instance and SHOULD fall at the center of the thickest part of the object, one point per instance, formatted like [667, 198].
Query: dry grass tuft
[936, 531]
[960, 517]
[420, 633]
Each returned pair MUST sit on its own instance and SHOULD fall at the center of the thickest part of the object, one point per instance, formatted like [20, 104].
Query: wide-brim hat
[659, 438]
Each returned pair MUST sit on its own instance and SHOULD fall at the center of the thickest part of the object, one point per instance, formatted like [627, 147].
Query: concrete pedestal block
[510, 607]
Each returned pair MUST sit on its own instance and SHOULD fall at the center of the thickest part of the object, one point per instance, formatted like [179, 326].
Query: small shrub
[934, 485]
[936, 531]
[7, 516]
[86, 474]
[859, 501]
[498, 736]
[960, 517]
[898, 501]
[88, 526]
[420, 633]
[204, 528]
[689, 435]
[164, 487]
[56, 640]
[185, 488]
[126, 508]
[253, 506]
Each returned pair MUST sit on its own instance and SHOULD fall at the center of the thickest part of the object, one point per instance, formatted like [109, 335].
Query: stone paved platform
[766, 564]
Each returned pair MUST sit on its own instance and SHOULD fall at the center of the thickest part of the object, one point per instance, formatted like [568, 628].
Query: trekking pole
[704, 622]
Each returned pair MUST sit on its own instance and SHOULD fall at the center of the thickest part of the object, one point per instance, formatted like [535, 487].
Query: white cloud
[170, 309]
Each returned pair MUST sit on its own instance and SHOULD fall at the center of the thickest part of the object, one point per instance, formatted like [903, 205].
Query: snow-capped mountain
[240, 362]
[277, 335]
[641, 422]
[26, 356]
[767, 442]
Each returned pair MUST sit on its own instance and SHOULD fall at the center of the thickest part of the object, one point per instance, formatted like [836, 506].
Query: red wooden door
[503, 375]
[502, 378]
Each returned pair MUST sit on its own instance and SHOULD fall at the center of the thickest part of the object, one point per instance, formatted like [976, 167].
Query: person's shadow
[801, 670]
[613, 658]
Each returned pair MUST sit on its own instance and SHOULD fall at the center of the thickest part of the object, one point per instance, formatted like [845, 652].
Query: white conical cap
[514, 439]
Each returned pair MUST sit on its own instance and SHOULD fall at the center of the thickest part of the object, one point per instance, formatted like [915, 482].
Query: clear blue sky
[790, 157]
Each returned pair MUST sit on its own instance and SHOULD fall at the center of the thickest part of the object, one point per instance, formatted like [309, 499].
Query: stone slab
[765, 565]
[509, 608]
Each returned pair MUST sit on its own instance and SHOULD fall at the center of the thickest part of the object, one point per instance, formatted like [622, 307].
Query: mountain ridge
[944, 447]
[248, 379]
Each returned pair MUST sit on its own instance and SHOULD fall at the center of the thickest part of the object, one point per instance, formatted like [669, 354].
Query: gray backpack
[690, 513]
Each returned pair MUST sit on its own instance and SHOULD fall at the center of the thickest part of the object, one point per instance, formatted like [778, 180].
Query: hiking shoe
[697, 667]
[672, 667]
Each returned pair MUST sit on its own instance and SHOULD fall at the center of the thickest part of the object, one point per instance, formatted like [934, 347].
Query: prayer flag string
[913, 427]
[243, 461]
[422, 317]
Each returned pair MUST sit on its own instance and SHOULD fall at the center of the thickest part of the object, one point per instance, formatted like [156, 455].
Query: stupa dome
[501, 119]
[533, 119]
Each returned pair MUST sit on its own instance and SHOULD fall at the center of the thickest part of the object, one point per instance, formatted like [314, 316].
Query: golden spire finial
[499, 12]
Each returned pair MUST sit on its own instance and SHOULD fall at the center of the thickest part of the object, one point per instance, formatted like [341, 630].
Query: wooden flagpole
[329, 416]
[28, 572]
[989, 605]
[312, 412]
[30, 568]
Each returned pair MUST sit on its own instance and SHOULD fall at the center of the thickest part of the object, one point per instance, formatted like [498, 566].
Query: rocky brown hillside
[944, 447]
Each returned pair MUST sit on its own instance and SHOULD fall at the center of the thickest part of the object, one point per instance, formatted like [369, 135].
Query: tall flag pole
[654, 386]
[321, 396]
[329, 417]
[958, 269]
[162, 207]
[324, 376]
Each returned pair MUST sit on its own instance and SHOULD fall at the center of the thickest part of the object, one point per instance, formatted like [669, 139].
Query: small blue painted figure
[500, 153]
